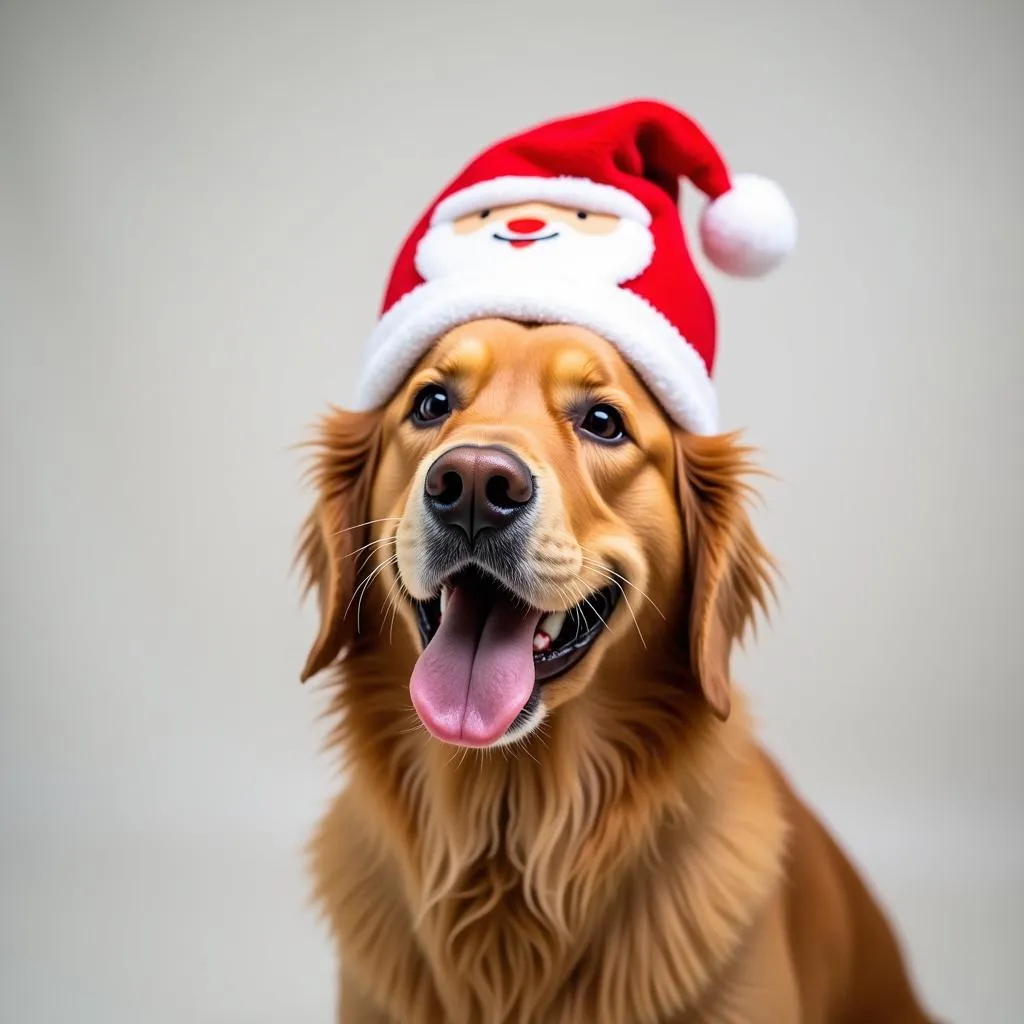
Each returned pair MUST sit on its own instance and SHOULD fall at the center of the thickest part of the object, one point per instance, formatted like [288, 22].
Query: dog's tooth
[541, 641]
[552, 624]
[444, 599]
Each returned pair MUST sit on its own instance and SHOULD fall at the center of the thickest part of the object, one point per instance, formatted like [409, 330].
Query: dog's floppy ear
[337, 528]
[729, 573]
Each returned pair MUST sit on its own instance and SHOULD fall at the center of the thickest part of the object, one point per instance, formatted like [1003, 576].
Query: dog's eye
[431, 405]
[605, 423]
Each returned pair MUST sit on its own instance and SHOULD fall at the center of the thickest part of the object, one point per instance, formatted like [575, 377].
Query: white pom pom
[750, 229]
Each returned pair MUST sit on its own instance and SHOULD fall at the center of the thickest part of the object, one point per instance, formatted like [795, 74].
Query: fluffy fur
[638, 860]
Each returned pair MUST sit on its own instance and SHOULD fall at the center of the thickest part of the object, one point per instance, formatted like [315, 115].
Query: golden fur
[635, 860]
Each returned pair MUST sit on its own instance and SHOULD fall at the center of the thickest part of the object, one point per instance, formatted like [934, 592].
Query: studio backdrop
[199, 203]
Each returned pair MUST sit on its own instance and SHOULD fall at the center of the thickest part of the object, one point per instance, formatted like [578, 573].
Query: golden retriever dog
[556, 810]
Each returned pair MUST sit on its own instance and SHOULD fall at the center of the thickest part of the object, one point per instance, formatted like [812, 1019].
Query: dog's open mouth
[486, 654]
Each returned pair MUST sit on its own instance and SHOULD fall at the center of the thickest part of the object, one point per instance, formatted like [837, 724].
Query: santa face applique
[537, 237]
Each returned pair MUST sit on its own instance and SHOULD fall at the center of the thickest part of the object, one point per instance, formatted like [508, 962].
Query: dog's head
[528, 511]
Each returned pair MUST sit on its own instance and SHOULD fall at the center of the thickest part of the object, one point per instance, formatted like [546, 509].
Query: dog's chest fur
[518, 896]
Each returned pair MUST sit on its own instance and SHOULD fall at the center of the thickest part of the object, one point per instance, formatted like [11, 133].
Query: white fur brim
[750, 229]
[663, 359]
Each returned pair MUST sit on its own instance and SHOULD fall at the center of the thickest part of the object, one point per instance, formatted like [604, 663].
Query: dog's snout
[476, 488]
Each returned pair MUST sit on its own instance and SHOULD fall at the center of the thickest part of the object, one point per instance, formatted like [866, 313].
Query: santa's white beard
[616, 257]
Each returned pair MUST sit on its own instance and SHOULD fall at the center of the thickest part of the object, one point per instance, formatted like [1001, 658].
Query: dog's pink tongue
[476, 674]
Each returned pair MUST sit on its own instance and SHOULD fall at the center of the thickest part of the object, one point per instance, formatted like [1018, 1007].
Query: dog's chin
[517, 652]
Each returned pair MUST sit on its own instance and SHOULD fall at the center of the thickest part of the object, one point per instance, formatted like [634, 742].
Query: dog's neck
[512, 859]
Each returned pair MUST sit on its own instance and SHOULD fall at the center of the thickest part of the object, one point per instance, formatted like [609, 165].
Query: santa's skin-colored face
[530, 223]
[537, 238]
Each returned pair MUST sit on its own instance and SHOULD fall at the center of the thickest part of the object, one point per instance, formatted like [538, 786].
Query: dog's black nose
[477, 487]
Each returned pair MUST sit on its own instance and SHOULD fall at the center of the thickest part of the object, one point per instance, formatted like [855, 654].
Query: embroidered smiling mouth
[486, 654]
[520, 243]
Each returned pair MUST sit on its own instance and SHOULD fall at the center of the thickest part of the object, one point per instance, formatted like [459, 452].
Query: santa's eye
[582, 214]
[484, 214]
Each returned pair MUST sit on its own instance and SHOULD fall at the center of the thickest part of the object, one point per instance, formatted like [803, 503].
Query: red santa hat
[577, 221]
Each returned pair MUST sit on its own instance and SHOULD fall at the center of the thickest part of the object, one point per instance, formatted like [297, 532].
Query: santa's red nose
[526, 225]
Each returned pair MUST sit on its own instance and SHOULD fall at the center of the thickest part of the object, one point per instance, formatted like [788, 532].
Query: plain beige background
[198, 206]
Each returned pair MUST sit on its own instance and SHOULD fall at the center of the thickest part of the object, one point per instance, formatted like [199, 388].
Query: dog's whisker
[602, 567]
[391, 539]
[393, 560]
[365, 586]
[598, 563]
[567, 597]
[394, 612]
[390, 603]
[394, 607]
[381, 546]
[625, 598]
[590, 605]
[369, 579]
[369, 522]
[586, 601]
[633, 614]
